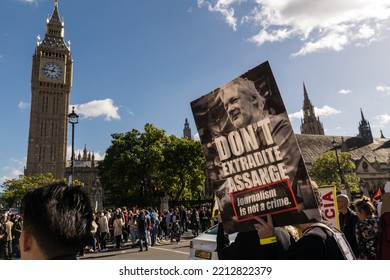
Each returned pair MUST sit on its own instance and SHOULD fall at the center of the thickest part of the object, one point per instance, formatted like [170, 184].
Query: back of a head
[59, 217]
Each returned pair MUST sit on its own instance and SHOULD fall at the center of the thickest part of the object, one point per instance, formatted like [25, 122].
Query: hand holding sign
[265, 229]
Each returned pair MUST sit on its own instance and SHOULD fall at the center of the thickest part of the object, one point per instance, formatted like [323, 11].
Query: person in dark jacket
[317, 242]
[348, 220]
[246, 246]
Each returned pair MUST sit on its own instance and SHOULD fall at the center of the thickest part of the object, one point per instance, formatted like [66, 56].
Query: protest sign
[253, 159]
[328, 205]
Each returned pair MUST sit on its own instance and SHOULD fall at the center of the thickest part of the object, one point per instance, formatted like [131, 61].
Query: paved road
[162, 251]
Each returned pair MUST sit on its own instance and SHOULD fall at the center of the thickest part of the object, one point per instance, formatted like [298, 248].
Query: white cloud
[383, 89]
[223, 7]
[345, 91]
[23, 105]
[296, 116]
[14, 168]
[325, 111]
[381, 120]
[320, 24]
[130, 112]
[97, 108]
[29, 1]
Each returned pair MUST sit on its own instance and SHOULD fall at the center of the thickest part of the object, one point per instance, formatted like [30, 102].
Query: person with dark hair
[57, 219]
[142, 227]
[118, 229]
[6, 237]
[17, 229]
[195, 222]
[367, 229]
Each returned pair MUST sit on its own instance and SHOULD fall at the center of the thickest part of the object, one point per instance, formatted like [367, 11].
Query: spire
[55, 19]
[361, 112]
[382, 136]
[365, 129]
[54, 36]
[310, 124]
[305, 96]
[187, 130]
[85, 152]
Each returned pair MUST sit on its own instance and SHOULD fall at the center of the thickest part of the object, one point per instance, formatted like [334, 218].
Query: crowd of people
[144, 227]
[44, 230]
[10, 229]
[360, 223]
[358, 237]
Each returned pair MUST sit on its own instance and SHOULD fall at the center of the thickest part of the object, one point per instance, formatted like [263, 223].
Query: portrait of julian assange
[253, 159]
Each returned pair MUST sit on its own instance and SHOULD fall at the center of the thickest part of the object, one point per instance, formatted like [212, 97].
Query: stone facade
[372, 160]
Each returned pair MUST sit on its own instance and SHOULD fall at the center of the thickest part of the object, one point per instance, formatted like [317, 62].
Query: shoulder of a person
[350, 212]
[373, 220]
[315, 232]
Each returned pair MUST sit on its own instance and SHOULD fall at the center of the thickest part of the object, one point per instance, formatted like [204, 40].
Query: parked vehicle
[204, 246]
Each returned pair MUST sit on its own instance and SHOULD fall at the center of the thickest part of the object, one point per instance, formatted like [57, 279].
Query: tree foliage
[138, 161]
[325, 171]
[182, 168]
[15, 189]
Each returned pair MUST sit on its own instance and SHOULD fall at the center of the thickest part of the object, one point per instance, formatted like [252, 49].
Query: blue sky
[138, 62]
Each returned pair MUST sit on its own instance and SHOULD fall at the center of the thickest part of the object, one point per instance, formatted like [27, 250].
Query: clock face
[52, 70]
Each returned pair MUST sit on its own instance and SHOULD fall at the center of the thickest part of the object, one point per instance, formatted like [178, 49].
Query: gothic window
[41, 128]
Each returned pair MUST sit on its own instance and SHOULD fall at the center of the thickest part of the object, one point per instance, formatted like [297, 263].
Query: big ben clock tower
[51, 82]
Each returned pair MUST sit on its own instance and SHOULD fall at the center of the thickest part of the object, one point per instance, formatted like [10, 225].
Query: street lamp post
[344, 185]
[73, 119]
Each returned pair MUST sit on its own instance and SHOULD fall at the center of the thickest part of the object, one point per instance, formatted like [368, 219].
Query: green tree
[181, 172]
[136, 162]
[15, 189]
[131, 164]
[325, 171]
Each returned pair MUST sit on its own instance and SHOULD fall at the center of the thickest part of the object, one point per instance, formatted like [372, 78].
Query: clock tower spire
[51, 82]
